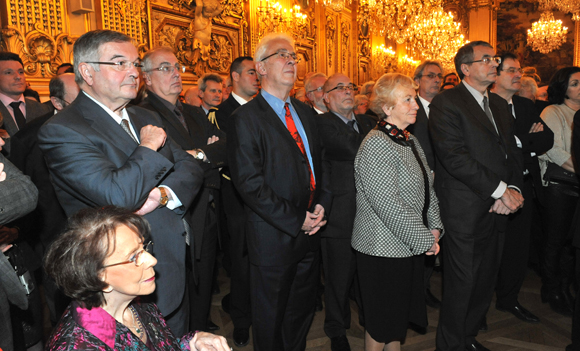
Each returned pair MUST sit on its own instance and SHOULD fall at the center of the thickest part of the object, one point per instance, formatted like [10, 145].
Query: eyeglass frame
[432, 76]
[515, 70]
[119, 64]
[294, 57]
[146, 248]
[341, 88]
[487, 60]
[317, 89]
[173, 68]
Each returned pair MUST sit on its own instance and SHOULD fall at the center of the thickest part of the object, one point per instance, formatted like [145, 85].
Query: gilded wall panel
[126, 16]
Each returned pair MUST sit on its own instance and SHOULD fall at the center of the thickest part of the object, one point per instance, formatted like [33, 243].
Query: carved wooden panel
[126, 16]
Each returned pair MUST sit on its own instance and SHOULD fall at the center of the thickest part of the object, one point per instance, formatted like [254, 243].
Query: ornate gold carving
[345, 30]
[330, 33]
[126, 16]
[40, 53]
[364, 46]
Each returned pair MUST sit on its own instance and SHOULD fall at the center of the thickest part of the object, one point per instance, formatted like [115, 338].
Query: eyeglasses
[168, 69]
[342, 88]
[285, 55]
[512, 70]
[487, 60]
[433, 76]
[137, 258]
[120, 65]
[313, 90]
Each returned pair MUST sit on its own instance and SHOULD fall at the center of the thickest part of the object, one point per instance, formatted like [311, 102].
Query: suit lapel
[9, 124]
[168, 116]
[474, 109]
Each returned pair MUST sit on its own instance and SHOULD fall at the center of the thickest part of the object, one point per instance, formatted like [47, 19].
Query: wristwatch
[164, 198]
[199, 154]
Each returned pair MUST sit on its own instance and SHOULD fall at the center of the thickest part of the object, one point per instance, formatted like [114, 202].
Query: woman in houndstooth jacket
[397, 218]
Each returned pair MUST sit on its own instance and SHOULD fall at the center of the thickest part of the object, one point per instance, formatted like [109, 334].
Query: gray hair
[367, 87]
[147, 60]
[419, 70]
[529, 83]
[385, 91]
[359, 99]
[264, 44]
[56, 87]
[87, 47]
[308, 82]
[202, 82]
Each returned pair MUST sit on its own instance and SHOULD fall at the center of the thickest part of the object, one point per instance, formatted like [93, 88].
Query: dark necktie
[352, 124]
[511, 108]
[294, 132]
[487, 110]
[125, 126]
[178, 112]
[18, 116]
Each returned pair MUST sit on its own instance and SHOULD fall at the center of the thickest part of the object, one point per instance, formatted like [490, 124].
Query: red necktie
[294, 132]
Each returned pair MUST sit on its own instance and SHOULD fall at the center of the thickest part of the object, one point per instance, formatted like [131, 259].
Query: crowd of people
[121, 190]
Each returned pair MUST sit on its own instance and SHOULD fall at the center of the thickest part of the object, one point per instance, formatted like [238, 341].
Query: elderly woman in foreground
[103, 263]
[397, 218]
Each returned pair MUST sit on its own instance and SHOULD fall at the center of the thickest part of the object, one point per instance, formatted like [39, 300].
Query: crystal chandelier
[546, 34]
[273, 17]
[572, 6]
[384, 60]
[335, 5]
[406, 65]
[436, 37]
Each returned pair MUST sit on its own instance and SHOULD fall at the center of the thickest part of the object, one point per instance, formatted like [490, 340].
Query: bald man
[191, 96]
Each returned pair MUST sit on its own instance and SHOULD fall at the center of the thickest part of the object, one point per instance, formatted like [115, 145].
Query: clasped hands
[203, 341]
[314, 220]
[510, 202]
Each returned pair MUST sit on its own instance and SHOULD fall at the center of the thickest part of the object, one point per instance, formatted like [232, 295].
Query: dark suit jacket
[200, 129]
[271, 174]
[93, 162]
[539, 143]
[472, 158]
[576, 154]
[48, 220]
[341, 144]
[34, 110]
[421, 130]
[224, 111]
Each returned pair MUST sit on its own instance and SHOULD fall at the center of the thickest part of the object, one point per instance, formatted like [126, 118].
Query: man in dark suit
[101, 153]
[533, 139]
[14, 108]
[575, 233]
[237, 302]
[479, 171]
[189, 127]
[428, 76]
[341, 133]
[210, 91]
[276, 165]
[48, 220]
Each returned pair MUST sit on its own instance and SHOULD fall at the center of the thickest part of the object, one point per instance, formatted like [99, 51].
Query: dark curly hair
[75, 260]
[559, 84]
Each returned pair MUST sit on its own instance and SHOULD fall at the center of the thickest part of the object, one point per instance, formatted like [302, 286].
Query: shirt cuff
[501, 188]
[174, 202]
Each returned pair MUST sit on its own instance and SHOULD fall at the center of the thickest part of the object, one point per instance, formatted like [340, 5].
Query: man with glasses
[479, 174]
[99, 152]
[341, 133]
[428, 76]
[15, 110]
[276, 165]
[534, 138]
[315, 93]
[189, 127]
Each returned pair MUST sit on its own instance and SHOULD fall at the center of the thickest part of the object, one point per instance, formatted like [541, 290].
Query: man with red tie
[276, 165]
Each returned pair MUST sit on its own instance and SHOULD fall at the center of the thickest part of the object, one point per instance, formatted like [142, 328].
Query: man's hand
[8, 235]
[314, 220]
[151, 203]
[203, 341]
[2, 173]
[499, 208]
[152, 137]
[4, 134]
[212, 140]
[512, 199]
[434, 250]
[537, 127]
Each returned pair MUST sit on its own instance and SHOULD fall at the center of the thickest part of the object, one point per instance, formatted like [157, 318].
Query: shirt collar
[6, 100]
[274, 102]
[110, 112]
[166, 103]
[476, 94]
[239, 99]
[96, 321]
[344, 119]
[318, 111]
[425, 104]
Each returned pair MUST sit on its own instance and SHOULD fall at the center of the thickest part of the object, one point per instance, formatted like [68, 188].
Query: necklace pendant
[138, 330]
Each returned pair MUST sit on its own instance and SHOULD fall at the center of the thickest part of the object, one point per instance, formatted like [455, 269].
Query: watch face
[199, 156]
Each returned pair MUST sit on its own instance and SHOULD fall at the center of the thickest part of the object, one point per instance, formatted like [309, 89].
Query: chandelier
[406, 65]
[335, 5]
[436, 37]
[546, 34]
[273, 17]
[572, 6]
[384, 60]
[393, 18]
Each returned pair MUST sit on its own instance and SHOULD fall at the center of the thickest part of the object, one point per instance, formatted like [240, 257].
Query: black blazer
[271, 174]
[576, 154]
[200, 129]
[93, 162]
[472, 158]
[341, 144]
[539, 143]
[421, 130]
[224, 111]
